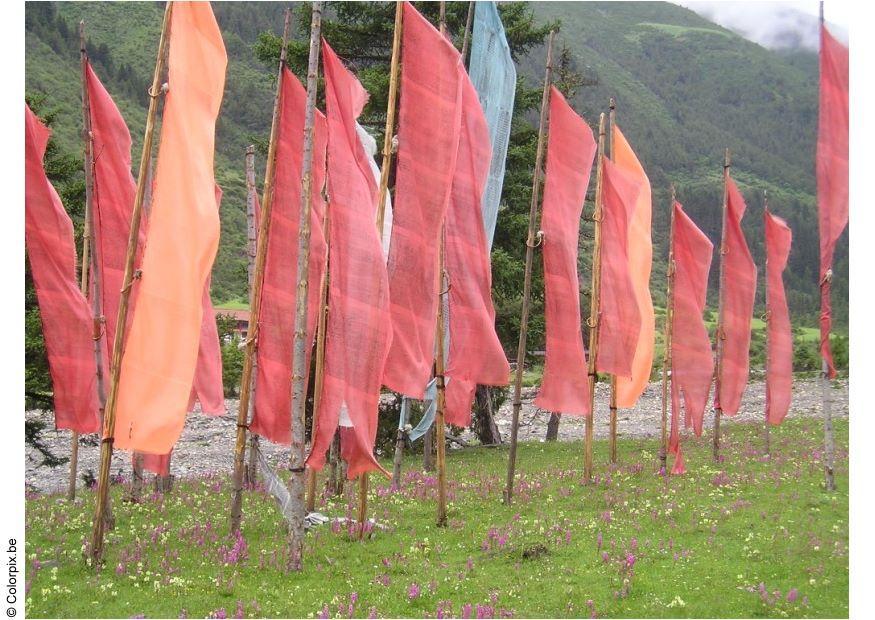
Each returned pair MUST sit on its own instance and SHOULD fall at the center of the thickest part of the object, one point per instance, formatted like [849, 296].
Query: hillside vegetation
[685, 89]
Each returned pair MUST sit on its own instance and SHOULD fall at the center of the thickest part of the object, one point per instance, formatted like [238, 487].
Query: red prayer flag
[276, 321]
[162, 344]
[64, 312]
[779, 367]
[207, 386]
[358, 327]
[429, 122]
[739, 290]
[832, 171]
[692, 363]
[619, 317]
[157, 463]
[475, 355]
[570, 152]
[112, 200]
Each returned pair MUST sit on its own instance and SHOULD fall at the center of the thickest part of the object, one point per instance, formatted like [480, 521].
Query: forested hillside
[685, 89]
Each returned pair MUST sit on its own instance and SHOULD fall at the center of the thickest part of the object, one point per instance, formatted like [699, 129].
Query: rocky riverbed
[206, 444]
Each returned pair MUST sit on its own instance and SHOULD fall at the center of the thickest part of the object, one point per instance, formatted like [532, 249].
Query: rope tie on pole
[165, 88]
[539, 240]
[98, 327]
[827, 277]
[446, 277]
[137, 275]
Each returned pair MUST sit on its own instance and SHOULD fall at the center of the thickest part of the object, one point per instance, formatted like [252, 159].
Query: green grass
[678, 31]
[702, 543]
[234, 304]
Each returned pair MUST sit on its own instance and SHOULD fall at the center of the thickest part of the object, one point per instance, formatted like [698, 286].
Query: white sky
[761, 20]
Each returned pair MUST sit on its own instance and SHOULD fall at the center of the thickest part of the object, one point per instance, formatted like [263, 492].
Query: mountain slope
[685, 89]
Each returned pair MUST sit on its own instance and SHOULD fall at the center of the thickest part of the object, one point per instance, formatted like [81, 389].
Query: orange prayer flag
[640, 254]
[162, 347]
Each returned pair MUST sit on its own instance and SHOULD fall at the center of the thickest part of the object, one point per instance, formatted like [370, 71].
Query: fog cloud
[775, 25]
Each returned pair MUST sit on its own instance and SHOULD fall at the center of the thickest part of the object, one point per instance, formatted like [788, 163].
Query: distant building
[241, 320]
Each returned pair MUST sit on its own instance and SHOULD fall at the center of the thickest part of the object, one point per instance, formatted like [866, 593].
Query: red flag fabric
[640, 252]
[692, 363]
[779, 369]
[64, 312]
[428, 138]
[207, 386]
[832, 171]
[619, 317]
[157, 463]
[276, 323]
[358, 326]
[162, 345]
[112, 200]
[570, 152]
[739, 290]
[475, 355]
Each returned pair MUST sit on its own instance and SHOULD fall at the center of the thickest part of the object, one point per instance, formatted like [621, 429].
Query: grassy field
[749, 537]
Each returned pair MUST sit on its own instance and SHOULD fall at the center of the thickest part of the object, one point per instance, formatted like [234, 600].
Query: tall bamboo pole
[613, 401]
[86, 243]
[825, 395]
[466, 40]
[394, 69]
[96, 550]
[251, 470]
[299, 343]
[532, 241]
[439, 361]
[439, 368]
[720, 336]
[385, 170]
[319, 372]
[593, 321]
[667, 331]
[767, 317]
[255, 294]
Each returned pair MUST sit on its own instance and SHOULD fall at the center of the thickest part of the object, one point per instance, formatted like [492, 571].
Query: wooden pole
[86, 236]
[667, 331]
[439, 360]
[767, 317]
[319, 373]
[718, 412]
[825, 395]
[362, 515]
[593, 321]
[613, 401]
[251, 470]
[299, 343]
[531, 242]
[255, 294]
[385, 171]
[394, 69]
[96, 551]
[466, 40]
[439, 368]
